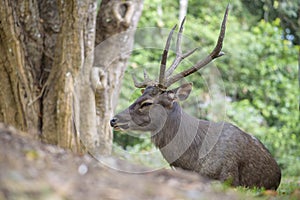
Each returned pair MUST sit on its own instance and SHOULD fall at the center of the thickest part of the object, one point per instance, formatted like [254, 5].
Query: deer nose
[113, 122]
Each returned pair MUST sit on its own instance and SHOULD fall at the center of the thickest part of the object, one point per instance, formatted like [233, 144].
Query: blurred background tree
[258, 72]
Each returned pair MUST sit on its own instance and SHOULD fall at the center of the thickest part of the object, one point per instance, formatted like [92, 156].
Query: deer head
[150, 110]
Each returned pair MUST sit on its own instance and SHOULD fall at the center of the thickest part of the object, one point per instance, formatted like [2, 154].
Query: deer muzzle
[118, 126]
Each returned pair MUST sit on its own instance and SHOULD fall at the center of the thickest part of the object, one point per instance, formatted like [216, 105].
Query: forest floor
[32, 170]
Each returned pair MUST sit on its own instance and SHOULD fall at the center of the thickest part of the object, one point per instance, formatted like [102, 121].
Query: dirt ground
[32, 170]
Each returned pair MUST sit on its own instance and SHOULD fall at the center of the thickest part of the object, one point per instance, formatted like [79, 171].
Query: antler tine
[147, 81]
[163, 63]
[179, 36]
[136, 83]
[177, 61]
[214, 54]
[146, 76]
[178, 50]
[217, 50]
[179, 56]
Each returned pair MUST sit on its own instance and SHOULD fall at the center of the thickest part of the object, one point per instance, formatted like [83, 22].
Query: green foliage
[255, 82]
[286, 10]
[266, 93]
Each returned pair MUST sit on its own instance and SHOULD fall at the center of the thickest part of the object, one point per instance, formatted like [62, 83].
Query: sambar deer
[219, 151]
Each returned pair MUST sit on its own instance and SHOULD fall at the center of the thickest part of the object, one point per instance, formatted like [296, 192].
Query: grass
[290, 186]
[289, 189]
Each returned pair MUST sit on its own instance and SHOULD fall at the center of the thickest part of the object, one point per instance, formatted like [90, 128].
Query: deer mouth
[121, 127]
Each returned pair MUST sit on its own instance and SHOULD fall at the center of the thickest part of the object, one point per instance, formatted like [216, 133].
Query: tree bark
[116, 25]
[48, 84]
[62, 104]
[19, 72]
[44, 60]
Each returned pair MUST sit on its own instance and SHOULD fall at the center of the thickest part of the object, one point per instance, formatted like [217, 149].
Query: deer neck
[178, 126]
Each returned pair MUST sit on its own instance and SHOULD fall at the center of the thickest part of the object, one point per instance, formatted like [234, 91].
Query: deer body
[217, 150]
[235, 155]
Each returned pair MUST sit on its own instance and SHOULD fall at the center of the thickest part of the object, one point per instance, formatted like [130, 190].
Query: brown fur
[216, 150]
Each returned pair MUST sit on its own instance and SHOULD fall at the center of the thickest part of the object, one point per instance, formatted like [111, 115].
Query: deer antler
[163, 63]
[179, 56]
[200, 64]
[147, 81]
[165, 78]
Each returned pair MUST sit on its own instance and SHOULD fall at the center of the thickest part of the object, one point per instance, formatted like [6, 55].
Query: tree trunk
[46, 63]
[18, 75]
[115, 30]
[62, 104]
[183, 6]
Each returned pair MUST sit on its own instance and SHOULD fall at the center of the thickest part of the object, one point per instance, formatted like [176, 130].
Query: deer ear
[182, 93]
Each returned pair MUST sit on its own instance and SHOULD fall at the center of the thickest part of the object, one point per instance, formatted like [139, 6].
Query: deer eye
[146, 103]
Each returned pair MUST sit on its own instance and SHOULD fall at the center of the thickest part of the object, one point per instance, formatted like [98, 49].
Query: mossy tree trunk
[46, 63]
